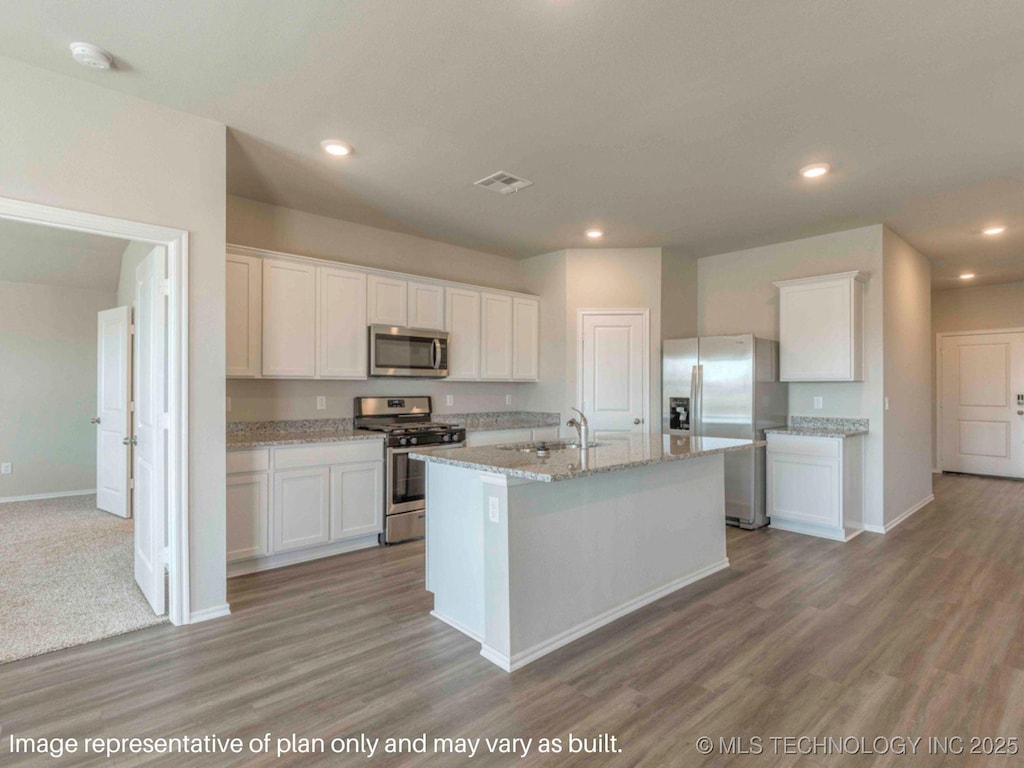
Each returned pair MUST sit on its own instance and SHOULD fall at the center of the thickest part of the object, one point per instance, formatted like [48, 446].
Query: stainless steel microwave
[408, 352]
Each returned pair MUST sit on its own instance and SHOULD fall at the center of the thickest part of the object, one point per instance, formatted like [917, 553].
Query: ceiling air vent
[503, 183]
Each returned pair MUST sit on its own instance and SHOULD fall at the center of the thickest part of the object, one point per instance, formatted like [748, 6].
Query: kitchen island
[528, 552]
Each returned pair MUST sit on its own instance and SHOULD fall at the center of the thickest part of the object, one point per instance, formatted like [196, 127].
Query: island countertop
[609, 455]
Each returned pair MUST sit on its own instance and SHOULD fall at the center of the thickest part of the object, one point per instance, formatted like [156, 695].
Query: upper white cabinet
[244, 297]
[525, 339]
[387, 301]
[496, 335]
[821, 328]
[463, 334]
[426, 306]
[289, 318]
[342, 352]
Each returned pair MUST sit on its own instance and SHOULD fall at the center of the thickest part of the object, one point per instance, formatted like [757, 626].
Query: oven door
[408, 352]
[405, 505]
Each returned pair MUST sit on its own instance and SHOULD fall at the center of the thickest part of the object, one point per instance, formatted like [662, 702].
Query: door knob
[133, 440]
[95, 421]
[1020, 413]
[638, 421]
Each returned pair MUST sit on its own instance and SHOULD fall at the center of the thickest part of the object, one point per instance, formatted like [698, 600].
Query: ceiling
[30, 253]
[664, 123]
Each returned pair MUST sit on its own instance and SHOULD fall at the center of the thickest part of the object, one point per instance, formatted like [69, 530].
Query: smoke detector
[503, 183]
[88, 55]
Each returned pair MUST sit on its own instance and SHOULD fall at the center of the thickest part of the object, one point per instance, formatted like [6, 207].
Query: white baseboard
[456, 625]
[833, 533]
[296, 556]
[210, 613]
[41, 496]
[889, 526]
[523, 658]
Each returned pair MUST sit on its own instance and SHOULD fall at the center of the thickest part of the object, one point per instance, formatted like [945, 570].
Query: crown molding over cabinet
[298, 317]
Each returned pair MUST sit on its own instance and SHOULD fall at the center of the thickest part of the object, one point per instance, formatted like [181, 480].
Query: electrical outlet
[508, 399]
[321, 403]
[449, 400]
[6, 468]
[229, 405]
[887, 403]
[818, 403]
[493, 509]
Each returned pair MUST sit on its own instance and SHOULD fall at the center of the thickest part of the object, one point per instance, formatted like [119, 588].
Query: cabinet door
[819, 331]
[301, 508]
[244, 297]
[496, 336]
[357, 500]
[289, 319]
[342, 328]
[463, 334]
[525, 339]
[426, 306]
[386, 301]
[804, 489]
[247, 515]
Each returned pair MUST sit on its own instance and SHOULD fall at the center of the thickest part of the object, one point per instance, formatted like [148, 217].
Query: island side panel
[455, 547]
[584, 552]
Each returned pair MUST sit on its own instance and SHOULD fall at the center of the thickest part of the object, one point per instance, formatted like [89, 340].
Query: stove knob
[445, 437]
[403, 440]
[412, 441]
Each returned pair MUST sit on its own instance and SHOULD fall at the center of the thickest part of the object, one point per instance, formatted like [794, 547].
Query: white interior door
[613, 370]
[150, 387]
[113, 417]
[982, 406]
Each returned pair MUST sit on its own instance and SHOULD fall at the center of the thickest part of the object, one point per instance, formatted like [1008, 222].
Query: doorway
[614, 369]
[161, 417]
[981, 403]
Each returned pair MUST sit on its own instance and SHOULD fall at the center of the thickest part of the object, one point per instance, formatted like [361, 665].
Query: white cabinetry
[342, 334]
[463, 334]
[289, 319]
[301, 512]
[496, 336]
[815, 485]
[387, 301]
[525, 339]
[247, 506]
[357, 493]
[426, 306]
[821, 328]
[244, 298]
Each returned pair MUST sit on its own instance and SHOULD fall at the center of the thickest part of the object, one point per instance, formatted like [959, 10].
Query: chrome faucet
[582, 428]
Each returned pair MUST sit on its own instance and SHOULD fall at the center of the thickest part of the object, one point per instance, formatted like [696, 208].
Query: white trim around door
[645, 315]
[939, 337]
[176, 243]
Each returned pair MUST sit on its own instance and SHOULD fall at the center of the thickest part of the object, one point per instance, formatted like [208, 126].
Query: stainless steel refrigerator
[727, 386]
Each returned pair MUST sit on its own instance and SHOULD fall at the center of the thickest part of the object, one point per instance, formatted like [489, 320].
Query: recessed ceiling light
[593, 234]
[966, 275]
[996, 230]
[335, 147]
[815, 171]
[88, 55]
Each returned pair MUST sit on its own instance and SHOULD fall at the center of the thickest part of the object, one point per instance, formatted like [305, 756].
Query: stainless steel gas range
[406, 423]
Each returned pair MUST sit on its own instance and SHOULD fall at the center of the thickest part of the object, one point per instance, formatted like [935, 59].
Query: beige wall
[48, 387]
[72, 144]
[984, 308]
[606, 278]
[678, 295]
[280, 229]
[908, 376]
[735, 295]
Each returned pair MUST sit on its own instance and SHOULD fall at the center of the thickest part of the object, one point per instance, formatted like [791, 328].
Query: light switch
[5, 468]
[321, 403]
[508, 399]
[449, 400]
[493, 509]
[818, 403]
[887, 403]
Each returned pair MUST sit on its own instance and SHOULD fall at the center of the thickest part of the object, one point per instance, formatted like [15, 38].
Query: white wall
[260, 225]
[75, 145]
[908, 376]
[590, 278]
[735, 295]
[48, 387]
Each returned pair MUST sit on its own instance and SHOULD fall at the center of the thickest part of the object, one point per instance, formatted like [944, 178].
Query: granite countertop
[822, 426]
[611, 455]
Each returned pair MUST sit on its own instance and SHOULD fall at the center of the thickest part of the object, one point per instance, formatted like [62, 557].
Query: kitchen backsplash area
[285, 400]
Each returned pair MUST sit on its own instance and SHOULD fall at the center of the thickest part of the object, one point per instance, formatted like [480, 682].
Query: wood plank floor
[917, 633]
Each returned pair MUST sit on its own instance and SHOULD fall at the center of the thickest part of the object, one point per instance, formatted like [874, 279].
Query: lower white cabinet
[295, 503]
[815, 485]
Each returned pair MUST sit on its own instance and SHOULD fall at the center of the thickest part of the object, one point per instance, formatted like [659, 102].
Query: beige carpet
[66, 577]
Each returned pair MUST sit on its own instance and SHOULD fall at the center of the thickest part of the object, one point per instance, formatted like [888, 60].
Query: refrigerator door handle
[697, 405]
